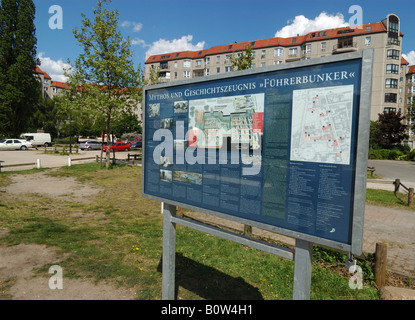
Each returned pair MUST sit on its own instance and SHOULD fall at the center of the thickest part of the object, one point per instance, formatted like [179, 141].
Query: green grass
[118, 238]
[387, 199]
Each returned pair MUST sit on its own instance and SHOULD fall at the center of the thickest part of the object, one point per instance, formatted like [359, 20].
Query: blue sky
[176, 25]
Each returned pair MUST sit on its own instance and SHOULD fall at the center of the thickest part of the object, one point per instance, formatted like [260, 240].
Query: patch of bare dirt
[54, 187]
[17, 262]
[17, 279]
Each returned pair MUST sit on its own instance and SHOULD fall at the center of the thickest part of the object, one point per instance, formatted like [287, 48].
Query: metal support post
[169, 253]
[303, 258]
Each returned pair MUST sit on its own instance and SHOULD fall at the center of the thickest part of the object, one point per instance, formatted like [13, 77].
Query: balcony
[164, 66]
[199, 66]
[293, 57]
[345, 47]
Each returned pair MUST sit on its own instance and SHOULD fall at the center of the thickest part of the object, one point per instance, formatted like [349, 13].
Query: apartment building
[384, 37]
[49, 87]
[57, 88]
[410, 100]
[45, 82]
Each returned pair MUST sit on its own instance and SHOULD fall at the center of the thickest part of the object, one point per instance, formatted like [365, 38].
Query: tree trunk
[108, 152]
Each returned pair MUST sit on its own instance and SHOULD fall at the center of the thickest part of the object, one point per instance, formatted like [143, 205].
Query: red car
[118, 146]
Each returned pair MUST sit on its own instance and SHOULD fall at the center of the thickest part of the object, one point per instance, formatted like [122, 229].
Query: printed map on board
[322, 124]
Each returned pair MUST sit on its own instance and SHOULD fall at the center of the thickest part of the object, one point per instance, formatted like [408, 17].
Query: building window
[198, 63]
[393, 27]
[391, 97]
[392, 68]
[218, 70]
[277, 62]
[389, 110]
[294, 40]
[207, 72]
[368, 41]
[393, 54]
[263, 54]
[253, 66]
[186, 63]
[207, 60]
[278, 52]
[391, 84]
[186, 74]
[175, 64]
[293, 51]
[323, 46]
[228, 69]
[308, 48]
[262, 64]
[217, 59]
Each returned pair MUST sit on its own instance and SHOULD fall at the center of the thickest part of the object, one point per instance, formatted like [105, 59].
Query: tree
[103, 80]
[410, 117]
[389, 131]
[244, 60]
[19, 89]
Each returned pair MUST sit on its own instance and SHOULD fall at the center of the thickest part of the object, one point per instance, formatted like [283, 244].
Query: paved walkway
[395, 228]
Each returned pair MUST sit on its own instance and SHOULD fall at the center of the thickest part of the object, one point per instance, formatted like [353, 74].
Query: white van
[38, 139]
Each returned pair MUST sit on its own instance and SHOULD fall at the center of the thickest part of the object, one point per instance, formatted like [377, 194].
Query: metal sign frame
[304, 242]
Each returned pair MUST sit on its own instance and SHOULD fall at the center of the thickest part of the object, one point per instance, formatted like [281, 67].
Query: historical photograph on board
[238, 118]
[167, 123]
[180, 107]
[154, 110]
[166, 175]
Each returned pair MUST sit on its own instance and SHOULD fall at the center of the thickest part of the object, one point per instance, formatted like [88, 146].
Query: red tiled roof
[59, 84]
[39, 71]
[272, 42]
[411, 69]
[403, 61]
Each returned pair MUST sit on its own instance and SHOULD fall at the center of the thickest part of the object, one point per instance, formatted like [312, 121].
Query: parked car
[14, 144]
[118, 146]
[137, 144]
[90, 145]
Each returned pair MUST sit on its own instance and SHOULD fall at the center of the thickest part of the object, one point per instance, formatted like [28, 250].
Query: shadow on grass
[210, 283]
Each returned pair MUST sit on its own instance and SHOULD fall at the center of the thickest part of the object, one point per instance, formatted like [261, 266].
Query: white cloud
[139, 42]
[137, 26]
[302, 25]
[53, 68]
[183, 44]
[410, 57]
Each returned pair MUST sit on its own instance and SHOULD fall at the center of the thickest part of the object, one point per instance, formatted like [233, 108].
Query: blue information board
[277, 147]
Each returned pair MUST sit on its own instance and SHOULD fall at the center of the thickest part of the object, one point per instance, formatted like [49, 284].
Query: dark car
[90, 145]
[137, 144]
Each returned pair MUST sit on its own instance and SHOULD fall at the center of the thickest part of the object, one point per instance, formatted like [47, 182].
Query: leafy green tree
[389, 131]
[103, 80]
[411, 117]
[19, 89]
[244, 60]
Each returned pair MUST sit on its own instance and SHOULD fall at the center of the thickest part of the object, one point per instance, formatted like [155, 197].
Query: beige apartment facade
[384, 37]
